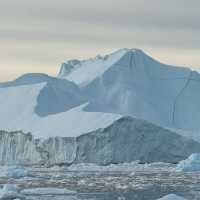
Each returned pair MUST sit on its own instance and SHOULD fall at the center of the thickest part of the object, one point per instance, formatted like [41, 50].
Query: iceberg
[191, 164]
[126, 140]
[13, 172]
[10, 192]
[100, 90]
[81, 115]
[172, 197]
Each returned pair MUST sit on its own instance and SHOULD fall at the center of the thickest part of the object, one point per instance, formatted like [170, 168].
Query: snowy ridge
[83, 72]
[27, 79]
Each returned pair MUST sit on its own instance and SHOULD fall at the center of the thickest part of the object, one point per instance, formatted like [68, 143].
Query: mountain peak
[142, 66]
[84, 71]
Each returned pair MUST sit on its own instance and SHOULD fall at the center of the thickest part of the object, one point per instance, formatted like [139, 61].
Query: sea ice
[13, 172]
[172, 197]
[191, 164]
[9, 192]
[47, 191]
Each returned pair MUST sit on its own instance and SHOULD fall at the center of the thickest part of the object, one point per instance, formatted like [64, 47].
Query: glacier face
[131, 139]
[17, 147]
[126, 140]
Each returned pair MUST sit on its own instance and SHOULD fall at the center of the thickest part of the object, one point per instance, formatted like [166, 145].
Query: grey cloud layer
[49, 26]
[157, 13]
[101, 20]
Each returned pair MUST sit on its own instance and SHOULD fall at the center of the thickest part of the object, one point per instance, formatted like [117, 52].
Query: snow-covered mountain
[129, 82]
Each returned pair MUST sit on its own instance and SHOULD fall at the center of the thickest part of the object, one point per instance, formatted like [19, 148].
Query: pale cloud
[38, 35]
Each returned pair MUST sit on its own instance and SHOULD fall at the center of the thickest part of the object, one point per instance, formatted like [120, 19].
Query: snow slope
[83, 72]
[18, 104]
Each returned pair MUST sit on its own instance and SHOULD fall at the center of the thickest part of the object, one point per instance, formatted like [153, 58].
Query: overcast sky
[37, 35]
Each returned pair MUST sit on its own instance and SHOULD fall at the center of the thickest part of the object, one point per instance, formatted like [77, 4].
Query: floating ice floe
[10, 192]
[172, 197]
[13, 172]
[131, 167]
[47, 191]
[191, 164]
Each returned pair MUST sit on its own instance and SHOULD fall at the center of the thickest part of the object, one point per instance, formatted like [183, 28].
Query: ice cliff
[126, 140]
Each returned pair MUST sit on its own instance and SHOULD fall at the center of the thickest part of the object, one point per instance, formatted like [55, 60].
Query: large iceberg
[79, 116]
[127, 82]
[126, 140]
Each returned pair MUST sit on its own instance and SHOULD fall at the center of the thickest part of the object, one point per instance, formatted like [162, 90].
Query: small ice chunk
[13, 172]
[47, 191]
[191, 164]
[10, 191]
[172, 197]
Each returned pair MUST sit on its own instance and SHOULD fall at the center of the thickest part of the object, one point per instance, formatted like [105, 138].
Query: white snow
[13, 172]
[86, 71]
[172, 197]
[17, 113]
[191, 164]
